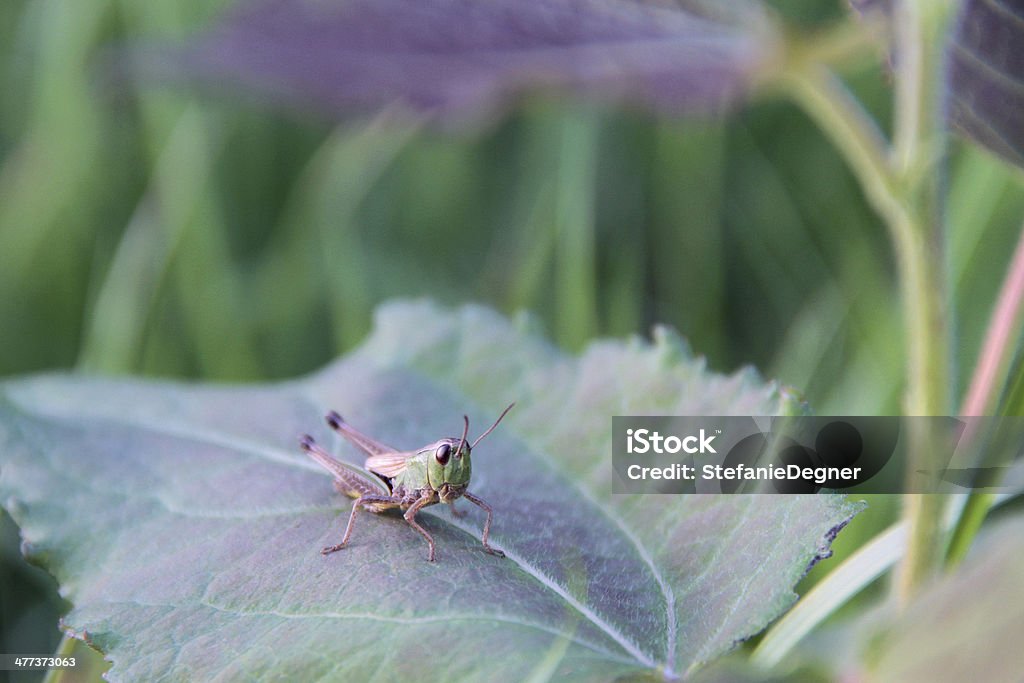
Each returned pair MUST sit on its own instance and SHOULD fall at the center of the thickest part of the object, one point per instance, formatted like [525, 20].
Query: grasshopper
[409, 480]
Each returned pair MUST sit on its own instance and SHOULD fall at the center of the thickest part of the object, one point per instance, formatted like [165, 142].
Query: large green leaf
[183, 523]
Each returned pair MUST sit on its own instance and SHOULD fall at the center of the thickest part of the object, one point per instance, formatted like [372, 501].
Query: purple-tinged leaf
[986, 76]
[985, 73]
[865, 6]
[463, 58]
[184, 524]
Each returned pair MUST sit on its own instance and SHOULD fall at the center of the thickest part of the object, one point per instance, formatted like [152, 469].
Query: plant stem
[918, 258]
[919, 146]
[905, 187]
[845, 44]
[838, 113]
[926, 393]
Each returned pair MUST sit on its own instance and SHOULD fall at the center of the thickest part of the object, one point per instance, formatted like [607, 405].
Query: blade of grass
[991, 375]
[576, 275]
[687, 252]
[49, 186]
[115, 329]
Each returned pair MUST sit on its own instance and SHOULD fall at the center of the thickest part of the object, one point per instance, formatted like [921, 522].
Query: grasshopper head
[449, 463]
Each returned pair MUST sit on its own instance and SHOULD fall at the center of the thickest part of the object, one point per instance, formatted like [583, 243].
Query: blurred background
[160, 231]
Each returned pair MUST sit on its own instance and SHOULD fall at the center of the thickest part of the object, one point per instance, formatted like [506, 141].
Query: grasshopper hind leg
[377, 503]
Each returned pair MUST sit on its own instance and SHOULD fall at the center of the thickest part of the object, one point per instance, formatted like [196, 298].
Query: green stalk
[919, 147]
[904, 185]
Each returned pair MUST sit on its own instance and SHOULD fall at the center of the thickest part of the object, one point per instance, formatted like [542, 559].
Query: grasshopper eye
[442, 454]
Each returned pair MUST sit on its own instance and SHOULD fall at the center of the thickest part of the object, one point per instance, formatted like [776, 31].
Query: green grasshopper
[408, 480]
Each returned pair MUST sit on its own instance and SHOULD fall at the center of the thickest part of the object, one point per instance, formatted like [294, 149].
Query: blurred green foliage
[159, 232]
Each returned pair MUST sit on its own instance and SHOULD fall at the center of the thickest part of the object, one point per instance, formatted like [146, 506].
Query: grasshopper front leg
[362, 501]
[458, 514]
[487, 524]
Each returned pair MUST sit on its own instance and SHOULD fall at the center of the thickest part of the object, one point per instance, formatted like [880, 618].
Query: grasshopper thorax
[448, 462]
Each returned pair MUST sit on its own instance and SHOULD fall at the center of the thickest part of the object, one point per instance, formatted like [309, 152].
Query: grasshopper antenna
[465, 433]
[491, 428]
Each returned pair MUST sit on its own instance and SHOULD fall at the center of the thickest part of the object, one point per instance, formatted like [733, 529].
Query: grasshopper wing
[389, 465]
[381, 459]
[348, 479]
